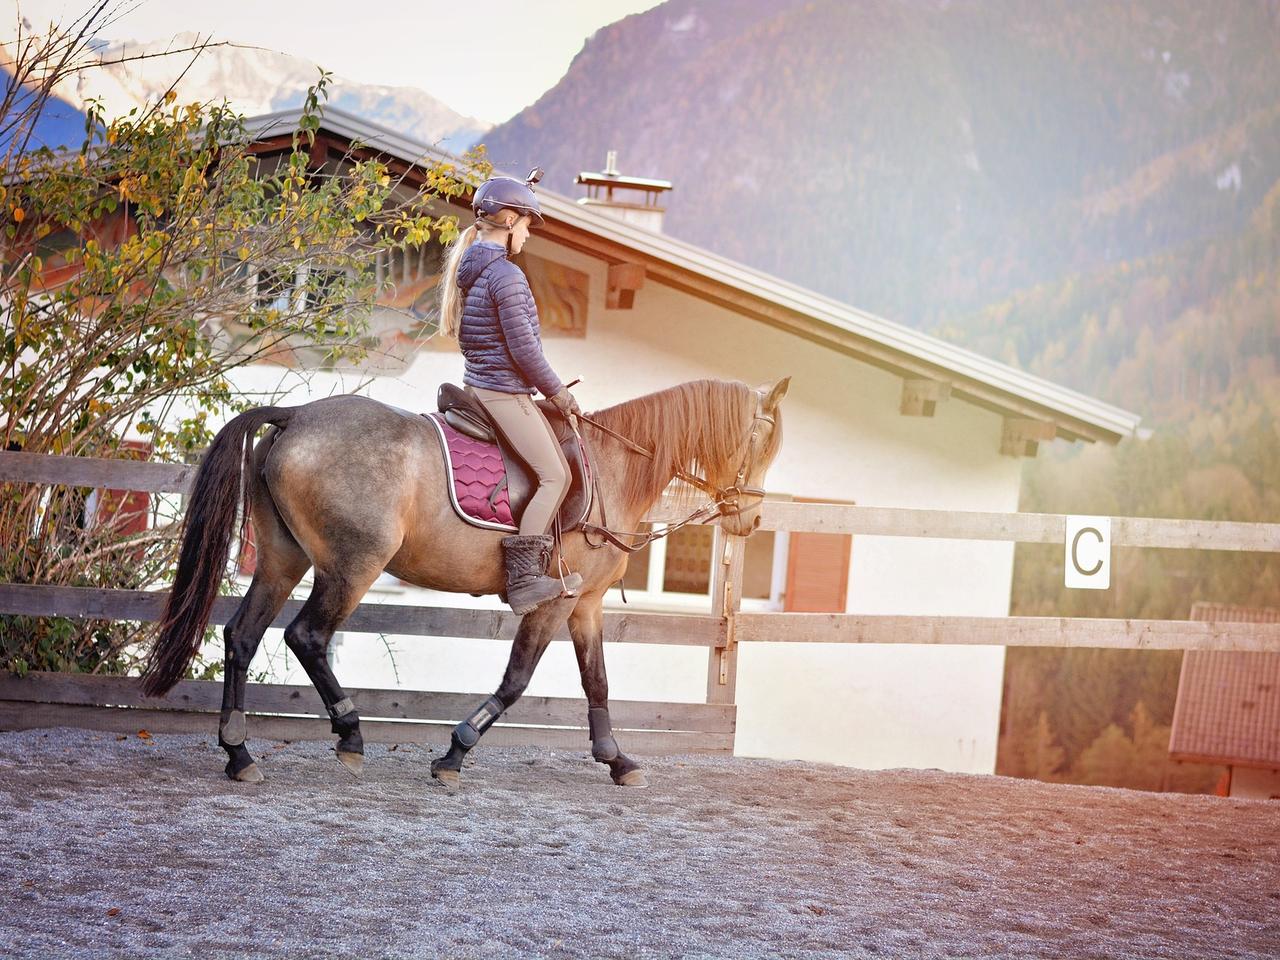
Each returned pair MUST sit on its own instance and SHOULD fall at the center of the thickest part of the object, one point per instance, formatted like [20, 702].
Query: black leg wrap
[603, 747]
[467, 734]
[352, 742]
[620, 766]
[451, 760]
[239, 758]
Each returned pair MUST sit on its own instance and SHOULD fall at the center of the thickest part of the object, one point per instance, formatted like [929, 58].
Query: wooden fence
[290, 712]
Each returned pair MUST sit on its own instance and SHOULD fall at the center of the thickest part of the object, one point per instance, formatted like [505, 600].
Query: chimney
[633, 199]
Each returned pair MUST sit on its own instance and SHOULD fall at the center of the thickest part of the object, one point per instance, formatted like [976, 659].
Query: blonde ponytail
[450, 295]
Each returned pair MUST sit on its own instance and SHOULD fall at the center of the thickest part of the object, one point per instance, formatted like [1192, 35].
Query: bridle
[728, 496]
[721, 497]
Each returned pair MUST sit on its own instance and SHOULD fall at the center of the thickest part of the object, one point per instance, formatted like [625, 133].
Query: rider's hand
[566, 404]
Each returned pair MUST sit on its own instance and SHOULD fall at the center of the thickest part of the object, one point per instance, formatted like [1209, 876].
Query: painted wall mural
[561, 294]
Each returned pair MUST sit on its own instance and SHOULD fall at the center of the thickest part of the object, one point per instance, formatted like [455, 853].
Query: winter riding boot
[528, 585]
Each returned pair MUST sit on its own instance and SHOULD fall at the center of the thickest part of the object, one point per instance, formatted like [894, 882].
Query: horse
[353, 487]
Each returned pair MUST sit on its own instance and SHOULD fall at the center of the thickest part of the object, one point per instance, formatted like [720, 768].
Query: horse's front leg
[586, 626]
[535, 632]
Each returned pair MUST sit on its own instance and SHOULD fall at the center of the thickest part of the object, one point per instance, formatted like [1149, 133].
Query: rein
[721, 497]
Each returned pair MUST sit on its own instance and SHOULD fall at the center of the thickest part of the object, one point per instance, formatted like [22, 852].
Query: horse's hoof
[250, 774]
[633, 778]
[354, 762]
[450, 778]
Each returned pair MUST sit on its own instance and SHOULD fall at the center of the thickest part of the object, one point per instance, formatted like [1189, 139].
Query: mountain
[58, 123]
[260, 81]
[923, 159]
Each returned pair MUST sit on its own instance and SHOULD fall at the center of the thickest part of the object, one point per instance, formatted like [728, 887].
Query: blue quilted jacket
[499, 331]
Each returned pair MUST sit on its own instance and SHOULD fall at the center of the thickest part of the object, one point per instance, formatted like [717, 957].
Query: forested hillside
[923, 159]
[1191, 339]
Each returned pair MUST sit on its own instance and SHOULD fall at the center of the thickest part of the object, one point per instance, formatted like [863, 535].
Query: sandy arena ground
[142, 848]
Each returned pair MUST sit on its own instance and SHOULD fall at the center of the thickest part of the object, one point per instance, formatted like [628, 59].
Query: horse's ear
[776, 393]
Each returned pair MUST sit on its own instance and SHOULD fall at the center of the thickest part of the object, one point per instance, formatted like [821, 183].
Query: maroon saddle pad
[490, 487]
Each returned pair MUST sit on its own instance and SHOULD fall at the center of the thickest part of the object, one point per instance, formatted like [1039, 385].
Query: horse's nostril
[755, 524]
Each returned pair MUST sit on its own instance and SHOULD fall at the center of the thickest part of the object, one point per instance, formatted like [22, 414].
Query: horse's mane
[698, 427]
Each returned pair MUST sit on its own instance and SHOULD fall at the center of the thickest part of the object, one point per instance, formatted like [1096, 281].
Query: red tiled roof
[1228, 707]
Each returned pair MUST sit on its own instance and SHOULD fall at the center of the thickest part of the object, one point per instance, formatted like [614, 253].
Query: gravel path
[141, 848]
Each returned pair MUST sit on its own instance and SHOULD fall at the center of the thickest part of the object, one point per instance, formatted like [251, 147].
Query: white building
[877, 414]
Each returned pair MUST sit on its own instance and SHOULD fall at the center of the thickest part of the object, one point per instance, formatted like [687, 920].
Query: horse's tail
[206, 546]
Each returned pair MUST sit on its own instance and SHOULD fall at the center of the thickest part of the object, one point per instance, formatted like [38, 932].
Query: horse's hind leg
[535, 632]
[586, 626]
[332, 600]
[281, 564]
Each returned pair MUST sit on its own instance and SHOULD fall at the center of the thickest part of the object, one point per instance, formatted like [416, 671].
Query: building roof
[1228, 707]
[812, 316]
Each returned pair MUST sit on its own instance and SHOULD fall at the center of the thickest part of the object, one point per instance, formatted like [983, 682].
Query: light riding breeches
[525, 428]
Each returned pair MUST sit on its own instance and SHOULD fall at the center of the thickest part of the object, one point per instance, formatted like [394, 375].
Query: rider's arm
[519, 320]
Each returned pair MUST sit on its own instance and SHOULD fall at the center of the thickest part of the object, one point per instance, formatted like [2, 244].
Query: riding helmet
[501, 193]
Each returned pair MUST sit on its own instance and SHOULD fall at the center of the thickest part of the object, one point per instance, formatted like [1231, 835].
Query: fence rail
[1020, 527]
[96, 472]
[290, 712]
[146, 606]
[776, 514]
[1008, 631]
[404, 716]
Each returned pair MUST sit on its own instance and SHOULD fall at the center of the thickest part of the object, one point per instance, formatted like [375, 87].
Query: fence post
[728, 554]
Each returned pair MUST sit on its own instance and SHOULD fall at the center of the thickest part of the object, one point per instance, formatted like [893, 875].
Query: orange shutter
[817, 570]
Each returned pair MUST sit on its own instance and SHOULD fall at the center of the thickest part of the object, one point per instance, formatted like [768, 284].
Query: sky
[487, 60]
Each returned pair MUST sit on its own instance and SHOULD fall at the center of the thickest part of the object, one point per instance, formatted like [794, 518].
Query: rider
[488, 306]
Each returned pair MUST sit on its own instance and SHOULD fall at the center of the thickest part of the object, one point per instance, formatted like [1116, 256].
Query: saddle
[491, 484]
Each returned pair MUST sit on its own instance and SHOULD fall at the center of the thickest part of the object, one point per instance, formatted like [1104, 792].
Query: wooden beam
[1008, 631]
[1018, 527]
[319, 151]
[205, 696]
[1221, 760]
[96, 472]
[624, 280]
[35, 600]
[776, 515]
[726, 595]
[19, 715]
[921, 397]
[1022, 437]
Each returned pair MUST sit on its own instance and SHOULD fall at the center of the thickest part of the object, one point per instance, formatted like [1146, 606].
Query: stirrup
[528, 596]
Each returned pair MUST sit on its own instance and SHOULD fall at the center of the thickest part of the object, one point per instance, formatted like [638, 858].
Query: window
[675, 572]
[274, 289]
[801, 572]
[294, 288]
[319, 284]
[688, 561]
